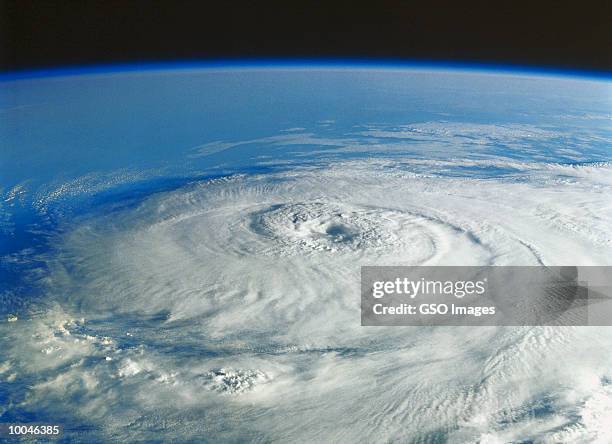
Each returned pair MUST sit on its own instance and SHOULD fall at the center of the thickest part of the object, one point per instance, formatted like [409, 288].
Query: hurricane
[203, 279]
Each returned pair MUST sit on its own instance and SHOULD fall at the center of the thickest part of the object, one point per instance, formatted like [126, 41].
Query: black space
[36, 34]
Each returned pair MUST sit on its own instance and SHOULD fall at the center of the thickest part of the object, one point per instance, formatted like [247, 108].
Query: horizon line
[272, 63]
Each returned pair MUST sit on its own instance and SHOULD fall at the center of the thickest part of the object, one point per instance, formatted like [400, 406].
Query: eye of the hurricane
[339, 232]
[320, 227]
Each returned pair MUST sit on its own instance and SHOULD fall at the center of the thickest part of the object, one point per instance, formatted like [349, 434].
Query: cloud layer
[231, 307]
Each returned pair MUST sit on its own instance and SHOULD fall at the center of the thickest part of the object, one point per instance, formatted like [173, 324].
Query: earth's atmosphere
[180, 252]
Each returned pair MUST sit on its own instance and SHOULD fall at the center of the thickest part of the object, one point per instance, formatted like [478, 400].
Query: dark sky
[559, 34]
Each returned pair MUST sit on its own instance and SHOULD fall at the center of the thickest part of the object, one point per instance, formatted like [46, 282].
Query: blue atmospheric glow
[307, 63]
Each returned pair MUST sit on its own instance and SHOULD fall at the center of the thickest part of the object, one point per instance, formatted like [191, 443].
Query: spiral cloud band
[259, 274]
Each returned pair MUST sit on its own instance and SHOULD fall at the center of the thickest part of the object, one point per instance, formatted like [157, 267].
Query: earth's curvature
[180, 252]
